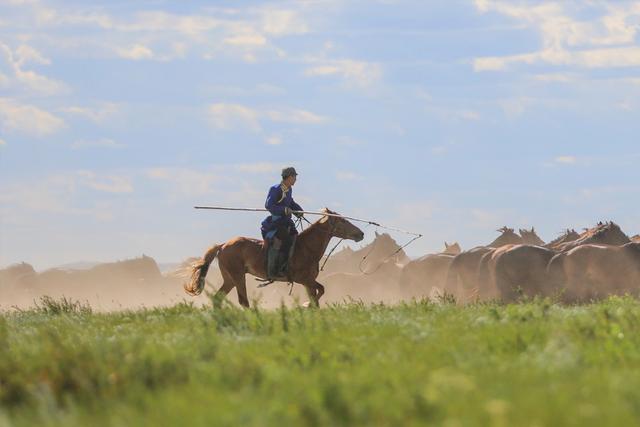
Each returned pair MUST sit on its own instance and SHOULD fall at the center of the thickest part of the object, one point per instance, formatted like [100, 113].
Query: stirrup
[265, 282]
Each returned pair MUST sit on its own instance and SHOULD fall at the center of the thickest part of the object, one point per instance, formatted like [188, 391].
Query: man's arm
[274, 195]
[295, 206]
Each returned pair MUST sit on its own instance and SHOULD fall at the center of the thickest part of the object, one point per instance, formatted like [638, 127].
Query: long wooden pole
[225, 208]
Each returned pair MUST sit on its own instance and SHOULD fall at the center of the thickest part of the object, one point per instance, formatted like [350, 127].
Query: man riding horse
[278, 230]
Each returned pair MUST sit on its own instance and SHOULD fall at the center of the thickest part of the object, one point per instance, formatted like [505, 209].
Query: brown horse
[522, 270]
[421, 275]
[366, 259]
[569, 235]
[604, 233]
[244, 255]
[530, 237]
[513, 270]
[590, 271]
[462, 277]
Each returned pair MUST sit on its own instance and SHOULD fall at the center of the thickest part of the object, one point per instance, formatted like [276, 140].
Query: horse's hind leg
[241, 289]
[227, 284]
[234, 279]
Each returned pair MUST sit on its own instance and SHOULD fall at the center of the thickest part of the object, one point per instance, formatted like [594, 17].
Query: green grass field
[531, 364]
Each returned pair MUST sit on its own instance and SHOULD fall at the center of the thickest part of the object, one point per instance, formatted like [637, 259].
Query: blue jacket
[277, 200]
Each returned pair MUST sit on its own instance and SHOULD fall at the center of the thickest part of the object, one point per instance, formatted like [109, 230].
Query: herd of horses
[575, 267]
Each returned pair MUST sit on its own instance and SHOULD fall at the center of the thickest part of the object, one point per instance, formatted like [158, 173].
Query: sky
[450, 119]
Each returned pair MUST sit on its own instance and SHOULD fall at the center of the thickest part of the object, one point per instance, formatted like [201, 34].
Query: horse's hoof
[307, 304]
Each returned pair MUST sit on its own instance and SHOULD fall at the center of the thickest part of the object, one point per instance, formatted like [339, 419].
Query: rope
[387, 258]
[329, 254]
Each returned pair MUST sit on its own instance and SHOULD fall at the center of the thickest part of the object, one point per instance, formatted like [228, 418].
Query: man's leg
[273, 256]
[284, 235]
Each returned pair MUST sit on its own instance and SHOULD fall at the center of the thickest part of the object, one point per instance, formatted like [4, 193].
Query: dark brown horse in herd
[462, 276]
[601, 261]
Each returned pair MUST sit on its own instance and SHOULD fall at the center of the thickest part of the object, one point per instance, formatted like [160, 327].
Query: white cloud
[135, 52]
[453, 113]
[49, 194]
[2, 142]
[27, 119]
[513, 107]
[230, 116]
[261, 167]
[96, 143]
[185, 182]
[356, 73]
[348, 141]
[40, 83]
[295, 116]
[27, 54]
[482, 218]
[57, 194]
[443, 148]
[30, 79]
[593, 58]
[246, 40]
[606, 40]
[274, 140]
[108, 184]
[98, 114]
[415, 212]
[283, 22]
[567, 160]
[556, 77]
[348, 176]
[242, 32]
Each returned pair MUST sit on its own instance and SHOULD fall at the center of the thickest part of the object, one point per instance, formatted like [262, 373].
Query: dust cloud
[378, 272]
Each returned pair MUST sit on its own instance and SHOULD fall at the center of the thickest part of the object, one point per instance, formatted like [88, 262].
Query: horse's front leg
[315, 291]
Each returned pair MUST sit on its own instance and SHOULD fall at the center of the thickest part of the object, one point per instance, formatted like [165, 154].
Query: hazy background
[446, 118]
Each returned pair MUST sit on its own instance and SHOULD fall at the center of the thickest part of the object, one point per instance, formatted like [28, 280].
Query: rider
[278, 229]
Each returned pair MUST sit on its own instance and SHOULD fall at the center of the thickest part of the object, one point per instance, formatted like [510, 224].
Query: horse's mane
[505, 232]
[316, 224]
[568, 232]
[603, 232]
[601, 229]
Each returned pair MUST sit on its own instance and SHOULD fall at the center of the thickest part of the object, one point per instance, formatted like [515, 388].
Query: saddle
[277, 261]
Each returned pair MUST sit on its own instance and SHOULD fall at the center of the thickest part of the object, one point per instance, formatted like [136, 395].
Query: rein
[333, 229]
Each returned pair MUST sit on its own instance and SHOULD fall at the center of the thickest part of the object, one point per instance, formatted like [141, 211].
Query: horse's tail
[555, 272]
[451, 281]
[196, 284]
[483, 272]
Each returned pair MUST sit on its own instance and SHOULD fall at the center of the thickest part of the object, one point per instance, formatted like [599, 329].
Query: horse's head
[340, 227]
[530, 237]
[452, 249]
[507, 237]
